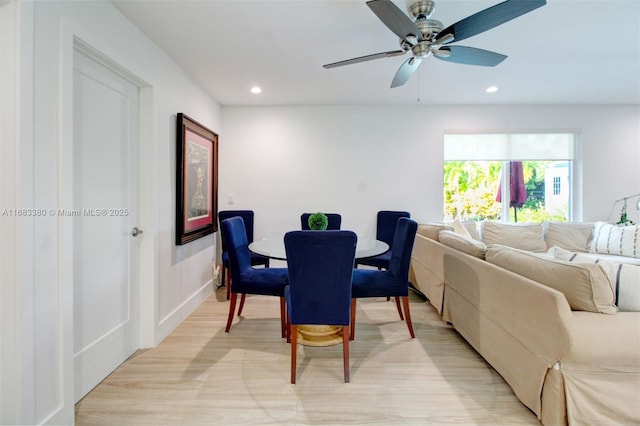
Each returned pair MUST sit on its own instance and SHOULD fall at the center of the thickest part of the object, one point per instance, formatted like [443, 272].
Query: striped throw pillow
[614, 239]
[624, 278]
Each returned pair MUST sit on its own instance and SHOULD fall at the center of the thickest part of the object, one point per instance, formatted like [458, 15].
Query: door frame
[73, 37]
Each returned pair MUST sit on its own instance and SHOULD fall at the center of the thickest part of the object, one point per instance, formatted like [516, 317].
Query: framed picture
[196, 180]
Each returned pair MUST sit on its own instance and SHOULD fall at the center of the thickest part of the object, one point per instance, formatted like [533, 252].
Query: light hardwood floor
[201, 375]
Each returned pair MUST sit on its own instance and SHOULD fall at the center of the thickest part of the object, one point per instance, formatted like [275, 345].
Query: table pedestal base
[319, 335]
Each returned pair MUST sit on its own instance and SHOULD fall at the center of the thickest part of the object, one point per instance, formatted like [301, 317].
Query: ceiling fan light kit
[426, 37]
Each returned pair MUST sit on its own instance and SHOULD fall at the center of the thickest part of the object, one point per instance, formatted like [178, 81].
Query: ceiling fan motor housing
[422, 9]
[429, 28]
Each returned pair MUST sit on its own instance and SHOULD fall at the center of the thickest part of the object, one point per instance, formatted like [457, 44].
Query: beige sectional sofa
[536, 305]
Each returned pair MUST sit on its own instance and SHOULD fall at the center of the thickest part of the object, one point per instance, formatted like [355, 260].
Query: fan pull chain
[418, 95]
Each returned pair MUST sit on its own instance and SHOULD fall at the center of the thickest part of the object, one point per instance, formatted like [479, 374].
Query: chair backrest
[320, 269]
[386, 224]
[334, 219]
[401, 248]
[234, 233]
[247, 217]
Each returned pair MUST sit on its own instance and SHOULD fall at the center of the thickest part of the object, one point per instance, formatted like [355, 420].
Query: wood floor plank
[202, 375]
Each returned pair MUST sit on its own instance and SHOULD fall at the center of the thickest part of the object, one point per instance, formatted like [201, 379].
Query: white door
[105, 164]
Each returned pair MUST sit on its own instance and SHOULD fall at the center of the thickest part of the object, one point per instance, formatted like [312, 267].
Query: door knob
[135, 231]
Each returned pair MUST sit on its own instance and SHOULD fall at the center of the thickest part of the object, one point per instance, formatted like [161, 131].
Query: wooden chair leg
[232, 308]
[287, 326]
[352, 332]
[283, 319]
[242, 297]
[407, 314]
[345, 352]
[399, 308]
[293, 332]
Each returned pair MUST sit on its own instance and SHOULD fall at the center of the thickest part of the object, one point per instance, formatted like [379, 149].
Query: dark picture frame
[196, 180]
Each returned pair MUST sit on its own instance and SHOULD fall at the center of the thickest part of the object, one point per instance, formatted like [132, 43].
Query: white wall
[174, 279]
[279, 161]
[355, 160]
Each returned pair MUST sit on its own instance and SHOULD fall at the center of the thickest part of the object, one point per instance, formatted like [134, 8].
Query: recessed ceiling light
[492, 89]
[255, 90]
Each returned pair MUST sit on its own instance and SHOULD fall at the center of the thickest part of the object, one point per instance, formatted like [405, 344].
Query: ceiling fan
[425, 37]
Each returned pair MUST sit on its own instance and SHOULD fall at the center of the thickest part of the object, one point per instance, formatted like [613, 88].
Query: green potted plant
[318, 221]
[624, 219]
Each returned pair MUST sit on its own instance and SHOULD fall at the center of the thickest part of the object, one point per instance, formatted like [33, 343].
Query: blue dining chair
[386, 222]
[246, 279]
[256, 259]
[334, 219]
[319, 290]
[393, 282]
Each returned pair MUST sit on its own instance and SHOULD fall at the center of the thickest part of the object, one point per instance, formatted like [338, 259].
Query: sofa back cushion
[573, 236]
[527, 237]
[463, 243]
[614, 239]
[431, 230]
[585, 285]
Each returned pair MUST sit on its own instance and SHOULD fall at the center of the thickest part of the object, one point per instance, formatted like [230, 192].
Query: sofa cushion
[568, 235]
[430, 230]
[624, 278]
[527, 237]
[585, 285]
[614, 239]
[463, 243]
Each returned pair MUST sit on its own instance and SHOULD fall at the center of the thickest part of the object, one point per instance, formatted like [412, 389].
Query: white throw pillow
[459, 228]
[624, 278]
[570, 256]
[472, 228]
[614, 239]
[527, 237]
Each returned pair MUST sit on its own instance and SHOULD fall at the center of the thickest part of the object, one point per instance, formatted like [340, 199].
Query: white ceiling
[567, 52]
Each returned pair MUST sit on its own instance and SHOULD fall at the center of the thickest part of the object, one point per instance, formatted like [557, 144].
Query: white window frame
[509, 146]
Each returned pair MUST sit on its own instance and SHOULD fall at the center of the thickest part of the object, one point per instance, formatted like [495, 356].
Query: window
[556, 185]
[508, 177]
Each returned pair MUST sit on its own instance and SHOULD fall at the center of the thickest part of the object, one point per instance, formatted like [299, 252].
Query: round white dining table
[273, 247]
[317, 335]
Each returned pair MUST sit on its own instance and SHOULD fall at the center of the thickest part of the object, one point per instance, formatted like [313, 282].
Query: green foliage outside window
[470, 189]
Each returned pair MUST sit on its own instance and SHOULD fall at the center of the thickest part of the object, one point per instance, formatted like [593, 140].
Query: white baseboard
[167, 324]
